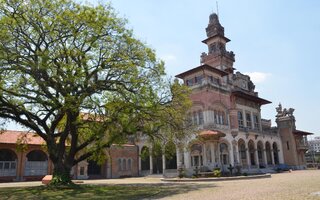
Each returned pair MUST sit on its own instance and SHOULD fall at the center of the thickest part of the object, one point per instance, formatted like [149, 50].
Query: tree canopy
[76, 76]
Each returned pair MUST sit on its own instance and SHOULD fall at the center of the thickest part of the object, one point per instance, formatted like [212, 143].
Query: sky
[276, 42]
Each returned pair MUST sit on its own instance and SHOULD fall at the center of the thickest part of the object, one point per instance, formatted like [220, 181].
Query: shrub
[217, 173]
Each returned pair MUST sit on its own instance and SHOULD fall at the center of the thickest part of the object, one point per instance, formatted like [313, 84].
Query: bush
[181, 173]
[217, 173]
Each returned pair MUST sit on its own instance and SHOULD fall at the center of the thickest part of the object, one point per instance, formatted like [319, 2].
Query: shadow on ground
[106, 191]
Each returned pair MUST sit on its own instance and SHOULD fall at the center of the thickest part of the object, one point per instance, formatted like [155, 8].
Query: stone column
[247, 155]
[256, 157]
[236, 156]
[178, 157]
[231, 156]
[204, 155]
[272, 157]
[265, 157]
[218, 153]
[212, 153]
[151, 161]
[187, 162]
[139, 161]
[163, 163]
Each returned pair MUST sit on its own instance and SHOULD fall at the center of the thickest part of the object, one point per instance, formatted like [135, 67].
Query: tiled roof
[12, 137]
[299, 132]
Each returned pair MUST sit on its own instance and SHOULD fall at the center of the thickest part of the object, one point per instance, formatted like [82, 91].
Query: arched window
[240, 119]
[268, 152]
[8, 162]
[37, 155]
[145, 158]
[200, 114]
[124, 164]
[36, 163]
[242, 152]
[224, 153]
[196, 155]
[220, 117]
[260, 154]
[129, 164]
[195, 118]
[119, 164]
[252, 152]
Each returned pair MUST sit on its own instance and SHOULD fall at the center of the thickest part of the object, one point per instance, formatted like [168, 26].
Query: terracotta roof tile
[11, 137]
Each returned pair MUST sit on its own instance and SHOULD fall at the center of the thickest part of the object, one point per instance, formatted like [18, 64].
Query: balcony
[302, 145]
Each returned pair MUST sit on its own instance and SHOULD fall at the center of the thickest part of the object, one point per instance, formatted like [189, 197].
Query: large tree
[76, 76]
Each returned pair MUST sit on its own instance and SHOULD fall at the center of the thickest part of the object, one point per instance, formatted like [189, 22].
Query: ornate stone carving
[284, 112]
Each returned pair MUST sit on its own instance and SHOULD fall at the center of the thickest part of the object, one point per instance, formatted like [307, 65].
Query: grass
[82, 192]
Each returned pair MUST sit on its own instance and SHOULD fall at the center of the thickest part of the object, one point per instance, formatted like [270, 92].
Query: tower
[294, 142]
[217, 55]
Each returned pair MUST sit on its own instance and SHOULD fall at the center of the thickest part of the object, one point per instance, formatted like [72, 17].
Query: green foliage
[170, 150]
[217, 173]
[145, 154]
[77, 77]
[181, 173]
[60, 179]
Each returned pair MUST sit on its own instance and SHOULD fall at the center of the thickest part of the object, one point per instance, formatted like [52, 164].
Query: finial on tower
[217, 8]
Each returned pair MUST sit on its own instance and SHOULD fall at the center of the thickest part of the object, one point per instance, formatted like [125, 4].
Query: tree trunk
[61, 175]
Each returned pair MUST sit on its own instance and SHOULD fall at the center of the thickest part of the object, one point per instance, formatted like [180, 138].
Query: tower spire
[217, 8]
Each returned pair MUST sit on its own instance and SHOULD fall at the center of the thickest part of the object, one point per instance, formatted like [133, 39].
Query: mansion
[230, 131]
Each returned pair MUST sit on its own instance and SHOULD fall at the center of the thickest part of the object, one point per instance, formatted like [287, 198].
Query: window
[189, 82]
[248, 119]
[81, 171]
[220, 117]
[195, 118]
[240, 119]
[214, 80]
[129, 164]
[200, 114]
[124, 167]
[198, 79]
[288, 145]
[256, 122]
[119, 164]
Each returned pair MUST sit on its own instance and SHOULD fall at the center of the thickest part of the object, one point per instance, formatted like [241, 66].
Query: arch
[242, 152]
[145, 158]
[37, 155]
[251, 153]
[94, 169]
[268, 153]
[260, 154]
[7, 155]
[171, 155]
[224, 153]
[8, 162]
[196, 155]
[275, 153]
[36, 163]
[157, 158]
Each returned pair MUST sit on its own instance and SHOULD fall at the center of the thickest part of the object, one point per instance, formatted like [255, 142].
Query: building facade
[230, 131]
[227, 113]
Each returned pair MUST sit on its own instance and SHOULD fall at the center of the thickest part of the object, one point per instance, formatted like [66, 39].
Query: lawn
[83, 192]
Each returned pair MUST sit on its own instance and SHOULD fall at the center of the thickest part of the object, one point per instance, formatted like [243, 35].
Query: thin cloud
[258, 77]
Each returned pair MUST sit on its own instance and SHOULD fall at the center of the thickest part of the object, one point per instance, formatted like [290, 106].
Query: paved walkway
[298, 185]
